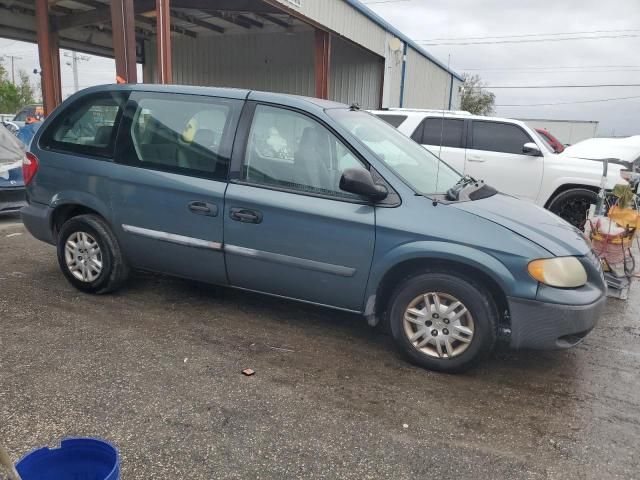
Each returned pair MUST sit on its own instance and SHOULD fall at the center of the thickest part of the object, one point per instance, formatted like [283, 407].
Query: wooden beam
[195, 21]
[124, 40]
[49, 54]
[322, 62]
[163, 38]
[272, 19]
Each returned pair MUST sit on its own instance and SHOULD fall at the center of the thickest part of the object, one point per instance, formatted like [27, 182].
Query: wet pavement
[155, 368]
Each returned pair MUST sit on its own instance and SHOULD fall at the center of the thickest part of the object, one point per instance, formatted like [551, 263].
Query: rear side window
[393, 120]
[185, 134]
[447, 131]
[499, 137]
[88, 126]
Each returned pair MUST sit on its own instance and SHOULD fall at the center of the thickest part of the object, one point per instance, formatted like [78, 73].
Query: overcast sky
[601, 60]
[505, 63]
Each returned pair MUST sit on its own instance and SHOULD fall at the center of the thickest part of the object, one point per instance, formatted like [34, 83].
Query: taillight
[29, 167]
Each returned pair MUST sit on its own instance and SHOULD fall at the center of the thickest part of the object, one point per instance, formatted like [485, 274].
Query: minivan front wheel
[443, 321]
[89, 255]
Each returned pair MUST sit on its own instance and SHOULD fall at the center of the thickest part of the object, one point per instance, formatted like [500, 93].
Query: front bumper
[542, 325]
[12, 199]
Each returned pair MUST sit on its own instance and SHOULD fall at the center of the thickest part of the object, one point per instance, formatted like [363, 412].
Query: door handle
[476, 159]
[245, 215]
[203, 208]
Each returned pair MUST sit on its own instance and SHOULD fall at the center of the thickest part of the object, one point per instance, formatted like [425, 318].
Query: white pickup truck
[509, 156]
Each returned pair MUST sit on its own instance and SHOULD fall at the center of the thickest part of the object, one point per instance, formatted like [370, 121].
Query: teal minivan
[309, 200]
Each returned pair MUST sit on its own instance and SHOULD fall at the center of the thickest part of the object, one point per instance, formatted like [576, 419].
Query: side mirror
[360, 182]
[532, 149]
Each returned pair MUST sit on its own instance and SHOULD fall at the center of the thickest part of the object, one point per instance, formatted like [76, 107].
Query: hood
[624, 150]
[530, 221]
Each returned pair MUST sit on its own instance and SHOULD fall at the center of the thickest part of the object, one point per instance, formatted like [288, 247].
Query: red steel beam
[163, 37]
[322, 57]
[124, 40]
[49, 58]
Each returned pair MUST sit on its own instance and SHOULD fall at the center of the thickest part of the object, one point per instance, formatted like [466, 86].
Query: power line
[565, 86]
[568, 103]
[562, 67]
[385, 1]
[539, 40]
[530, 35]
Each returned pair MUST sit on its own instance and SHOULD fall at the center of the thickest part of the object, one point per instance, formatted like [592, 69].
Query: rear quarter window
[88, 126]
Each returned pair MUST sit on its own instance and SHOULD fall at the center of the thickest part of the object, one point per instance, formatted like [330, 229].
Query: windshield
[419, 168]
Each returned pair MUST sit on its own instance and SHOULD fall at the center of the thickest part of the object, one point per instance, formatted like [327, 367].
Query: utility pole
[13, 70]
[74, 65]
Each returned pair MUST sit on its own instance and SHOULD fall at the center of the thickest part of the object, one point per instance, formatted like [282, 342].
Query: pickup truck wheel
[443, 321]
[573, 205]
[89, 255]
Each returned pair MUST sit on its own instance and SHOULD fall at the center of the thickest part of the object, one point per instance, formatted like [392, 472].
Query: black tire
[573, 205]
[476, 299]
[115, 270]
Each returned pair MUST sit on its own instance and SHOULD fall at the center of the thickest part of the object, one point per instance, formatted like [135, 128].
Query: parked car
[510, 156]
[28, 114]
[554, 144]
[11, 182]
[309, 200]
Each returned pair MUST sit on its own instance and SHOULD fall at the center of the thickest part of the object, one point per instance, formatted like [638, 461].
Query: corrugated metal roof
[391, 29]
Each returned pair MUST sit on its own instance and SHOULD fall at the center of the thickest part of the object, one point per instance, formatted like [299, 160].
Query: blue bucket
[76, 459]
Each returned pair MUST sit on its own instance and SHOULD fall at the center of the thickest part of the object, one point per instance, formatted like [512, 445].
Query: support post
[163, 38]
[322, 56]
[49, 55]
[124, 40]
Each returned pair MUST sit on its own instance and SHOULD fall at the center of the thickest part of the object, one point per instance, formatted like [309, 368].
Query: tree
[474, 98]
[12, 96]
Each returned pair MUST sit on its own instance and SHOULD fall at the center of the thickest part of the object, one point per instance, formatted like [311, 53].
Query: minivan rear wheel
[90, 256]
[443, 321]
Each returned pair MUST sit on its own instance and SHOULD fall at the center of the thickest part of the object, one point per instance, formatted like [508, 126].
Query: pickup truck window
[498, 137]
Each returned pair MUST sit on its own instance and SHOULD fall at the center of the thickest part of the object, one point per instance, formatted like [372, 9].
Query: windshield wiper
[453, 193]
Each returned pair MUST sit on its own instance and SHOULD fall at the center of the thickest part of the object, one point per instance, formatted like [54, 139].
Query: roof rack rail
[429, 110]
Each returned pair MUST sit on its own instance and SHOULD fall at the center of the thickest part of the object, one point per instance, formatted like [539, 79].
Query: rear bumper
[541, 325]
[37, 220]
[12, 199]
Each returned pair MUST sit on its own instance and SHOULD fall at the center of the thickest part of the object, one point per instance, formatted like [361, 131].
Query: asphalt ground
[156, 369]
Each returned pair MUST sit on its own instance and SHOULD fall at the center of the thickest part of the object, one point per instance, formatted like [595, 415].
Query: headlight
[561, 272]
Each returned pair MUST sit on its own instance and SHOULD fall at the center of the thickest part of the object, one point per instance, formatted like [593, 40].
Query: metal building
[567, 131]
[336, 49]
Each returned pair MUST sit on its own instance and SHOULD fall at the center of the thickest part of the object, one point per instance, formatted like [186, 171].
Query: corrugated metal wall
[426, 85]
[342, 18]
[274, 62]
[356, 75]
